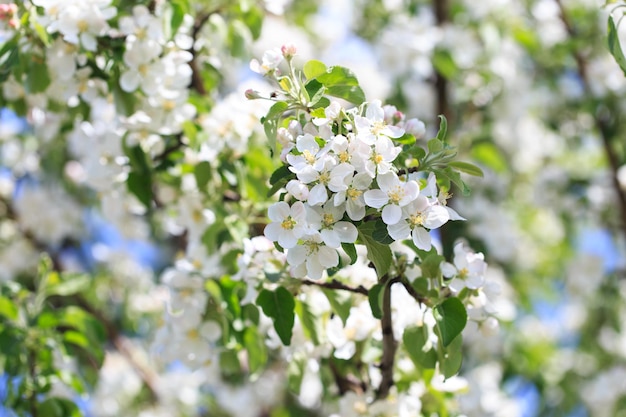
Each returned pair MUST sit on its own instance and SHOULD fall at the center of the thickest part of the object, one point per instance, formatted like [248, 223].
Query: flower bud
[252, 94]
[415, 127]
[288, 50]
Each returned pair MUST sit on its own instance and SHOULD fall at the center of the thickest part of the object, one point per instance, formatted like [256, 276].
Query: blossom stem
[337, 285]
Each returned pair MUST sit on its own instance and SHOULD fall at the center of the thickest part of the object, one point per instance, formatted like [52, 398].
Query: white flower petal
[327, 257]
[376, 198]
[318, 195]
[279, 211]
[399, 231]
[436, 217]
[346, 231]
[392, 214]
[421, 238]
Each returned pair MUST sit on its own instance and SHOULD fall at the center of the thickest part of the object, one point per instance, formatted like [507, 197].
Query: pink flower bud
[288, 50]
[7, 11]
[415, 127]
[252, 94]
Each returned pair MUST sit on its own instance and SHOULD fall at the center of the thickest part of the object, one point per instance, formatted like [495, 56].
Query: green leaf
[8, 61]
[84, 323]
[431, 264]
[8, 308]
[41, 32]
[279, 305]
[58, 407]
[453, 359]
[315, 90]
[313, 69]
[270, 122]
[71, 284]
[341, 82]
[239, 38]
[444, 64]
[614, 45]
[141, 186]
[253, 18]
[350, 250]
[38, 78]
[340, 303]
[435, 145]
[375, 298]
[455, 177]
[467, 168]
[443, 128]
[309, 322]
[451, 318]
[276, 110]
[179, 8]
[202, 172]
[381, 234]
[415, 339]
[125, 102]
[489, 155]
[378, 253]
[255, 345]
[229, 363]
[406, 139]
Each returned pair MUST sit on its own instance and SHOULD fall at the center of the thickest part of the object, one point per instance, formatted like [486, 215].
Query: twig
[600, 122]
[196, 79]
[337, 285]
[123, 345]
[389, 344]
[409, 288]
[32, 373]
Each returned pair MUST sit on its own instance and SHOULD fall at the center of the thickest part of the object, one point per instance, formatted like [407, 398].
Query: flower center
[169, 105]
[353, 193]
[288, 223]
[324, 177]
[308, 157]
[344, 157]
[328, 220]
[377, 158]
[82, 25]
[377, 127]
[463, 273]
[395, 194]
[416, 220]
[193, 334]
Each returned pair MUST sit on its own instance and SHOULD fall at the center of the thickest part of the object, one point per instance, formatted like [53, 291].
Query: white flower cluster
[344, 174]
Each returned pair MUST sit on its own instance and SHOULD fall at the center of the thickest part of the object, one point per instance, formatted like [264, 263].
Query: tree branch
[32, 373]
[123, 345]
[196, 79]
[337, 285]
[389, 344]
[601, 122]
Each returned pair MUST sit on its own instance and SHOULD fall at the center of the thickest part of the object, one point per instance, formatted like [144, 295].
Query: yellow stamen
[288, 223]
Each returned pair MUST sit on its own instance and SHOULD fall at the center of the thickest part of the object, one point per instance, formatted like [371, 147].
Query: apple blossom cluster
[340, 177]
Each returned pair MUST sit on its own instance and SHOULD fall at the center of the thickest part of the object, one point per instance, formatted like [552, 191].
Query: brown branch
[124, 346]
[337, 285]
[196, 78]
[409, 288]
[32, 373]
[389, 344]
[601, 122]
[346, 383]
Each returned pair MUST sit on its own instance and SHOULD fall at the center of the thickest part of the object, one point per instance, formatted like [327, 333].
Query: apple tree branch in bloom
[361, 176]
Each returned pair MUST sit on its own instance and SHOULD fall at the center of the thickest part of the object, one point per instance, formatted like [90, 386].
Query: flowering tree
[181, 238]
